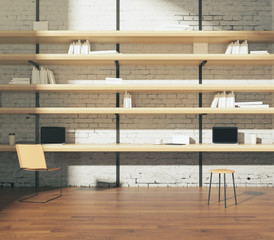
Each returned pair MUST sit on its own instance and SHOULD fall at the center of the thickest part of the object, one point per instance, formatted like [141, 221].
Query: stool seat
[222, 171]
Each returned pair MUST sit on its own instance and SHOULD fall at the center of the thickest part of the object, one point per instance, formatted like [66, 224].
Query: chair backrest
[31, 156]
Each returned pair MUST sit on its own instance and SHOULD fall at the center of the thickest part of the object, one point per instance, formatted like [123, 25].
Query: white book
[255, 106]
[230, 100]
[129, 101]
[37, 73]
[125, 101]
[259, 52]
[70, 51]
[84, 48]
[236, 47]
[215, 100]
[33, 76]
[229, 48]
[248, 103]
[51, 77]
[244, 47]
[77, 47]
[222, 100]
[44, 75]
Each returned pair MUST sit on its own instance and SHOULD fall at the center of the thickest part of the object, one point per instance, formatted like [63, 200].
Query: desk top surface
[150, 148]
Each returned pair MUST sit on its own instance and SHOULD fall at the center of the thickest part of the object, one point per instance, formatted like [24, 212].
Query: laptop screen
[53, 135]
[225, 135]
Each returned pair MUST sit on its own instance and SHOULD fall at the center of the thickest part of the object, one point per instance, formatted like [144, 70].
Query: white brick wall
[138, 169]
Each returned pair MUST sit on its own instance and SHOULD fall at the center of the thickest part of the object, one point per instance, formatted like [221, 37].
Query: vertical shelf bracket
[201, 99]
[201, 124]
[34, 63]
[37, 96]
[117, 97]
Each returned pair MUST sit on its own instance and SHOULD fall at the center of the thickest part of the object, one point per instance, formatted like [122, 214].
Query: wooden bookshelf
[155, 88]
[150, 148]
[135, 110]
[137, 59]
[149, 36]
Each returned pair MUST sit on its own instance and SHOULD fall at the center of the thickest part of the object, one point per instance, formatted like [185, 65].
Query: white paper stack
[223, 100]
[127, 100]
[237, 48]
[259, 52]
[114, 80]
[20, 81]
[104, 52]
[43, 76]
[251, 105]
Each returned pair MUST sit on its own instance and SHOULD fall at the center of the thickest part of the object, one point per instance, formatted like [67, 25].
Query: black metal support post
[200, 101]
[200, 15]
[117, 128]
[201, 125]
[117, 97]
[37, 97]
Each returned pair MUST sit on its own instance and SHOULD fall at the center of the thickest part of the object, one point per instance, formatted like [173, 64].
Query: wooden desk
[150, 148]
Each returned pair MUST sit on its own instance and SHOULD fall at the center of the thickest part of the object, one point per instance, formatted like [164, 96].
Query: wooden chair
[32, 158]
[222, 171]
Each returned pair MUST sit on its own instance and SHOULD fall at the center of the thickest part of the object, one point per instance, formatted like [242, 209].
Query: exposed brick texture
[141, 169]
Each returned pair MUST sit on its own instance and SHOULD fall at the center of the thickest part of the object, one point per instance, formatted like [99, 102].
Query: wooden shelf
[150, 36]
[137, 59]
[156, 88]
[56, 110]
[150, 148]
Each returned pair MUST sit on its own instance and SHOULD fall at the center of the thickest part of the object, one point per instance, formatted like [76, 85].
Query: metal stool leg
[209, 188]
[219, 187]
[234, 189]
[224, 190]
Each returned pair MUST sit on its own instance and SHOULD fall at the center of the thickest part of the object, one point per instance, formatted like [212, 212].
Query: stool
[222, 171]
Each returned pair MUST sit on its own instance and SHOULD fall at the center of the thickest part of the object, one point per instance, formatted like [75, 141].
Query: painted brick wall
[138, 169]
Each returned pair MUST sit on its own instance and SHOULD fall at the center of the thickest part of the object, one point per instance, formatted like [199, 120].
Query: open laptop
[225, 135]
[53, 135]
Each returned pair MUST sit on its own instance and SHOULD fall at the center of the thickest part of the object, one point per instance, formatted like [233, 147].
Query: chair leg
[234, 189]
[36, 194]
[225, 190]
[209, 188]
[219, 187]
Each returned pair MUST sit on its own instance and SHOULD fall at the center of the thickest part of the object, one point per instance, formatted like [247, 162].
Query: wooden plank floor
[138, 213]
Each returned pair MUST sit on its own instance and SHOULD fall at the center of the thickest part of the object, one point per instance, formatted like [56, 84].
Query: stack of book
[223, 100]
[259, 52]
[42, 76]
[20, 81]
[127, 100]
[80, 47]
[114, 80]
[237, 48]
[251, 105]
[104, 52]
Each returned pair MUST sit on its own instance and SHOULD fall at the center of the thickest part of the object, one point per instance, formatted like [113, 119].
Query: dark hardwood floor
[138, 213]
